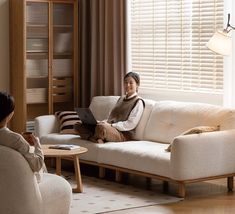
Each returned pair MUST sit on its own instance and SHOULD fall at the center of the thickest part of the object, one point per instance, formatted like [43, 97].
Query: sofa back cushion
[169, 119]
[101, 106]
[139, 131]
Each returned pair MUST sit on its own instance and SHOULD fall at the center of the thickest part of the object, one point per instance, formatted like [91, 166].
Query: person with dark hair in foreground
[33, 154]
[123, 119]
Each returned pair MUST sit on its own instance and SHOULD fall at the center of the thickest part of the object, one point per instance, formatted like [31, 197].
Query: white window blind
[168, 40]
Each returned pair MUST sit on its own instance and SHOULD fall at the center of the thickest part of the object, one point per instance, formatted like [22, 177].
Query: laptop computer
[86, 116]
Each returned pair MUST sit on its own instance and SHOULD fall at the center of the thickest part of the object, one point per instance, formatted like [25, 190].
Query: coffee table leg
[58, 166]
[79, 187]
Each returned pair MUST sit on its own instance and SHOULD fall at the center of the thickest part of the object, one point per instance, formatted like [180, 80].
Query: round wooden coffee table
[59, 153]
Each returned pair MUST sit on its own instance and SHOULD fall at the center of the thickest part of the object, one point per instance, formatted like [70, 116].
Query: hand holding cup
[29, 137]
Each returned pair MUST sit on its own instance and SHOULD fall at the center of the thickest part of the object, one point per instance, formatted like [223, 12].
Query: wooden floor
[204, 197]
[210, 197]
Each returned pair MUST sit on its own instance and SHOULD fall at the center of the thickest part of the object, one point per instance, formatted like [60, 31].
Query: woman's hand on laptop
[104, 122]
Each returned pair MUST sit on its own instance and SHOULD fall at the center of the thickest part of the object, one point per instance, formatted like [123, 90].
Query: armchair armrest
[46, 124]
[203, 155]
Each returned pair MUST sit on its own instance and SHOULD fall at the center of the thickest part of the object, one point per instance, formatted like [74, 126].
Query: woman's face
[130, 86]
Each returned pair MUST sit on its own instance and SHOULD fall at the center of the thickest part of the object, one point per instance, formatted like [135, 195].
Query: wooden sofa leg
[118, 176]
[230, 183]
[148, 183]
[165, 186]
[182, 191]
[101, 172]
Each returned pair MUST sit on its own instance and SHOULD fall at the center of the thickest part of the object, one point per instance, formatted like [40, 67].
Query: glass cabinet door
[63, 54]
[37, 59]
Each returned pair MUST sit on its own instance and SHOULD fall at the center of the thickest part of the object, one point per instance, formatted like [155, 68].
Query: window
[168, 40]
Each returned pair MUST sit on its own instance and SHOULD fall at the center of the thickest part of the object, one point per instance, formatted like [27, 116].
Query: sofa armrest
[46, 124]
[203, 155]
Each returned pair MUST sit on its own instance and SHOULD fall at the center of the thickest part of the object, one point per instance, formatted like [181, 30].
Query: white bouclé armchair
[21, 194]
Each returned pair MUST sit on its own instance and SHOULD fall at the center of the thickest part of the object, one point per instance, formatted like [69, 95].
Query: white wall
[229, 61]
[4, 45]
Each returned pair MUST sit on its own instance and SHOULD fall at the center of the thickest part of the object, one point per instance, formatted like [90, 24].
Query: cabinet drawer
[62, 90]
[62, 82]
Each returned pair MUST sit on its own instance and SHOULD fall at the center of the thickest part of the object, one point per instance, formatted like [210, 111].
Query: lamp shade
[220, 43]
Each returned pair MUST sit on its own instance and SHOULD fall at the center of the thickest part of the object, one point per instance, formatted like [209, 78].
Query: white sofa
[21, 194]
[193, 158]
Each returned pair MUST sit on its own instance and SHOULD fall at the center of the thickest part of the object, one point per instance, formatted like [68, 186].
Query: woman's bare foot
[100, 141]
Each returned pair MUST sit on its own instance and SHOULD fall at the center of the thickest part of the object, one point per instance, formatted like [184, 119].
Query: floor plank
[202, 198]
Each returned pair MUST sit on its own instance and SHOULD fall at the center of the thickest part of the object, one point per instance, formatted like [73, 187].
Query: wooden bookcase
[43, 58]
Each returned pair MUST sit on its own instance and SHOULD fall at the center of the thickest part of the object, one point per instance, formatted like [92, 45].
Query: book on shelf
[64, 146]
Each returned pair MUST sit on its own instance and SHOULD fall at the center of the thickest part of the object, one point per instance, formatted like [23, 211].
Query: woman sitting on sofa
[33, 154]
[123, 119]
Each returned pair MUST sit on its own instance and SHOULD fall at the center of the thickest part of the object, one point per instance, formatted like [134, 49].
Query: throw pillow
[67, 120]
[197, 130]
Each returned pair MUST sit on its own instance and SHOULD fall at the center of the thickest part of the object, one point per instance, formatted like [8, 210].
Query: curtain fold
[102, 39]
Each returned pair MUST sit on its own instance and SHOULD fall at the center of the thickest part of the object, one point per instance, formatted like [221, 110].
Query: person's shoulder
[122, 97]
[140, 99]
[12, 134]
[9, 138]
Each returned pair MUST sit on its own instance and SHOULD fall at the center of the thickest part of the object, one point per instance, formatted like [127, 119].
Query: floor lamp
[221, 41]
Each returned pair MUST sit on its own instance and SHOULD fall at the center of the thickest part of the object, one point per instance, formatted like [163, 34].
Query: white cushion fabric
[139, 132]
[46, 124]
[142, 156]
[56, 138]
[228, 121]
[56, 194]
[203, 155]
[169, 119]
[19, 189]
[102, 105]
[20, 193]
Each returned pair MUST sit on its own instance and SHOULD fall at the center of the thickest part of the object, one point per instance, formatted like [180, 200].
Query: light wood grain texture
[22, 31]
[71, 154]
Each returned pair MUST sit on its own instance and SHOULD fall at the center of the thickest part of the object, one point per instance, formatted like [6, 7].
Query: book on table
[64, 146]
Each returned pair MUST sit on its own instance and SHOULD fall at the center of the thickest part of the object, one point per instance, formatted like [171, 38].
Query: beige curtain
[102, 35]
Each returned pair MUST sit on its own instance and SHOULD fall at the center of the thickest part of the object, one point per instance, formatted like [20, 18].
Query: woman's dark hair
[134, 75]
[7, 105]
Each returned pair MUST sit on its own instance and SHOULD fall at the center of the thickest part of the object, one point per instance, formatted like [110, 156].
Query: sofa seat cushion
[56, 138]
[142, 156]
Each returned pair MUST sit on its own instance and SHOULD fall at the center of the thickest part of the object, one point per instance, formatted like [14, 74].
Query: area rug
[101, 196]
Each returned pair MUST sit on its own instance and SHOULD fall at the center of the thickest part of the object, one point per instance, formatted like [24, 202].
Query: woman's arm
[33, 154]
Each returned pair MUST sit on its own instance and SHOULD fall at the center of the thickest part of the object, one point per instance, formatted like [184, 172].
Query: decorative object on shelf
[36, 95]
[221, 41]
[63, 42]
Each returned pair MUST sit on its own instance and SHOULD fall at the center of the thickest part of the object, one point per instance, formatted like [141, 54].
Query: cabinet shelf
[37, 55]
[36, 25]
[36, 51]
[63, 26]
[37, 77]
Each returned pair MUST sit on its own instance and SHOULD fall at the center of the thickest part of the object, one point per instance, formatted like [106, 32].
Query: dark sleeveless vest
[122, 110]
